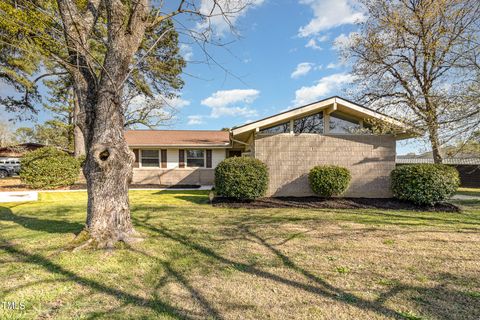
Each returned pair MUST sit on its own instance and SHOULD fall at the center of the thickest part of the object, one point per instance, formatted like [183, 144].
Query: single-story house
[331, 131]
[18, 150]
[468, 167]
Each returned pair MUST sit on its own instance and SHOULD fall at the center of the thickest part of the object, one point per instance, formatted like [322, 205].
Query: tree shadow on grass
[438, 301]
[193, 196]
[45, 225]
[320, 287]
[156, 305]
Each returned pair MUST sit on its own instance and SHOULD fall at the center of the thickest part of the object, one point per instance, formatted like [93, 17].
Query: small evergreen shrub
[424, 184]
[241, 178]
[49, 168]
[329, 180]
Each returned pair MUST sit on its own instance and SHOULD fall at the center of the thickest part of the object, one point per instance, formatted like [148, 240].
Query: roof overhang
[403, 130]
[211, 146]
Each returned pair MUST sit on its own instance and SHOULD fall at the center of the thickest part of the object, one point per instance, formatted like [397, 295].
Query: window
[195, 158]
[150, 158]
[340, 123]
[309, 124]
[280, 128]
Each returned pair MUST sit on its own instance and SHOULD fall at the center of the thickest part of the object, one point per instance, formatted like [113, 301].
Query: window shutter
[163, 155]
[209, 158]
[136, 164]
[181, 158]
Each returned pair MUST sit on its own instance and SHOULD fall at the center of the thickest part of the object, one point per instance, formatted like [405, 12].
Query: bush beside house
[241, 178]
[329, 180]
[424, 184]
[48, 168]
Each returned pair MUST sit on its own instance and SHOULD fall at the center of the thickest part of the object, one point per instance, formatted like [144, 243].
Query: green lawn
[202, 262]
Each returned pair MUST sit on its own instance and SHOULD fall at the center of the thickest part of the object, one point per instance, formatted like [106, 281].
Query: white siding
[172, 158]
[217, 156]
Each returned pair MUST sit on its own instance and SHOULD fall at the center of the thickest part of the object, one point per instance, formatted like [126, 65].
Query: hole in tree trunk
[104, 155]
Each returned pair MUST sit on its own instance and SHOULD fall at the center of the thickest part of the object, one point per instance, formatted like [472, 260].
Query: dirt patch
[330, 203]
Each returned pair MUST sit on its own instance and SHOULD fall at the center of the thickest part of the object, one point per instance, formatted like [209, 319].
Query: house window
[195, 158]
[340, 123]
[150, 158]
[309, 124]
[280, 128]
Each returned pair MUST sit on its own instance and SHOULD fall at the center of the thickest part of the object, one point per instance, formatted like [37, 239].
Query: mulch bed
[330, 203]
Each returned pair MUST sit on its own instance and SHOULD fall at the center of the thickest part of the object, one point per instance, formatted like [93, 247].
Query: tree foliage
[409, 59]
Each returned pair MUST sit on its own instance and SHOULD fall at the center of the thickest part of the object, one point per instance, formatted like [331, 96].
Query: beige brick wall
[173, 176]
[289, 158]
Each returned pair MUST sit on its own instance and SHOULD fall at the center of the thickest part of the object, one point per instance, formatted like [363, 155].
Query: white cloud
[186, 51]
[231, 102]
[194, 120]
[330, 14]
[302, 69]
[332, 65]
[324, 86]
[177, 102]
[312, 43]
[232, 9]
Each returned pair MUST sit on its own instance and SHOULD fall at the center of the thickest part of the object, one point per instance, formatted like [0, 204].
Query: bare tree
[68, 33]
[407, 60]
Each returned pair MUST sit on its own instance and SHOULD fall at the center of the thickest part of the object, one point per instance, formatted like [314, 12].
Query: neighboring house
[17, 151]
[468, 166]
[331, 131]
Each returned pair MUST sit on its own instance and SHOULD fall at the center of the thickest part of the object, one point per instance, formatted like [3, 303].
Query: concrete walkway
[465, 197]
[18, 196]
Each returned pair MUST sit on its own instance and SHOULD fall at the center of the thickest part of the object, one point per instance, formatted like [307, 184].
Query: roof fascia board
[283, 116]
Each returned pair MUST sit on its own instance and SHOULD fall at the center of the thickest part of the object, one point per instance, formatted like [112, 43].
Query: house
[331, 131]
[17, 151]
[468, 166]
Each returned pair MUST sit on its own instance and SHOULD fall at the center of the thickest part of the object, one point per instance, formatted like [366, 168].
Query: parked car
[12, 163]
[6, 171]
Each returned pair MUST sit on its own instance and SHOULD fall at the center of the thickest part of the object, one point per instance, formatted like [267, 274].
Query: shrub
[424, 184]
[241, 178]
[48, 168]
[329, 180]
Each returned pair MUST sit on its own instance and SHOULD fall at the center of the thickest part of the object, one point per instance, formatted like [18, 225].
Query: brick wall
[289, 158]
[173, 176]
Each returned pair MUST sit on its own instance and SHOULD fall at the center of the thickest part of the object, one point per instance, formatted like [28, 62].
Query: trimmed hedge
[329, 180]
[241, 178]
[48, 168]
[424, 184]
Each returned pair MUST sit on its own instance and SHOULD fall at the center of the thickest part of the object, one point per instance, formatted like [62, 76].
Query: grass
[200, 262]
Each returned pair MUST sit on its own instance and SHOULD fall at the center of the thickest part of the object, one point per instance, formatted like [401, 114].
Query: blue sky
[283, 57]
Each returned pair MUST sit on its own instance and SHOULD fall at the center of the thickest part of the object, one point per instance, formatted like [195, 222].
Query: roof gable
[330, 104]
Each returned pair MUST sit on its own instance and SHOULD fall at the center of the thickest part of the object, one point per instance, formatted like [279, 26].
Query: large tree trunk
[108, 171]
[109, 163]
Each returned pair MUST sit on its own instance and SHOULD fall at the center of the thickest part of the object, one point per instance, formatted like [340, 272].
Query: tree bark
[78, 140]
[435, 142]
[108, 170]
[108, 167]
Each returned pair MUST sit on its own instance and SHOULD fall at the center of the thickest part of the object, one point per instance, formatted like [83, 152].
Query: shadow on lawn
[155, 305]
[45, 225]
[442, 302]
[193, 196]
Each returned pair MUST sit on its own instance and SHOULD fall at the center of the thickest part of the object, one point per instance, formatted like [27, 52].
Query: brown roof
[177, 138]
